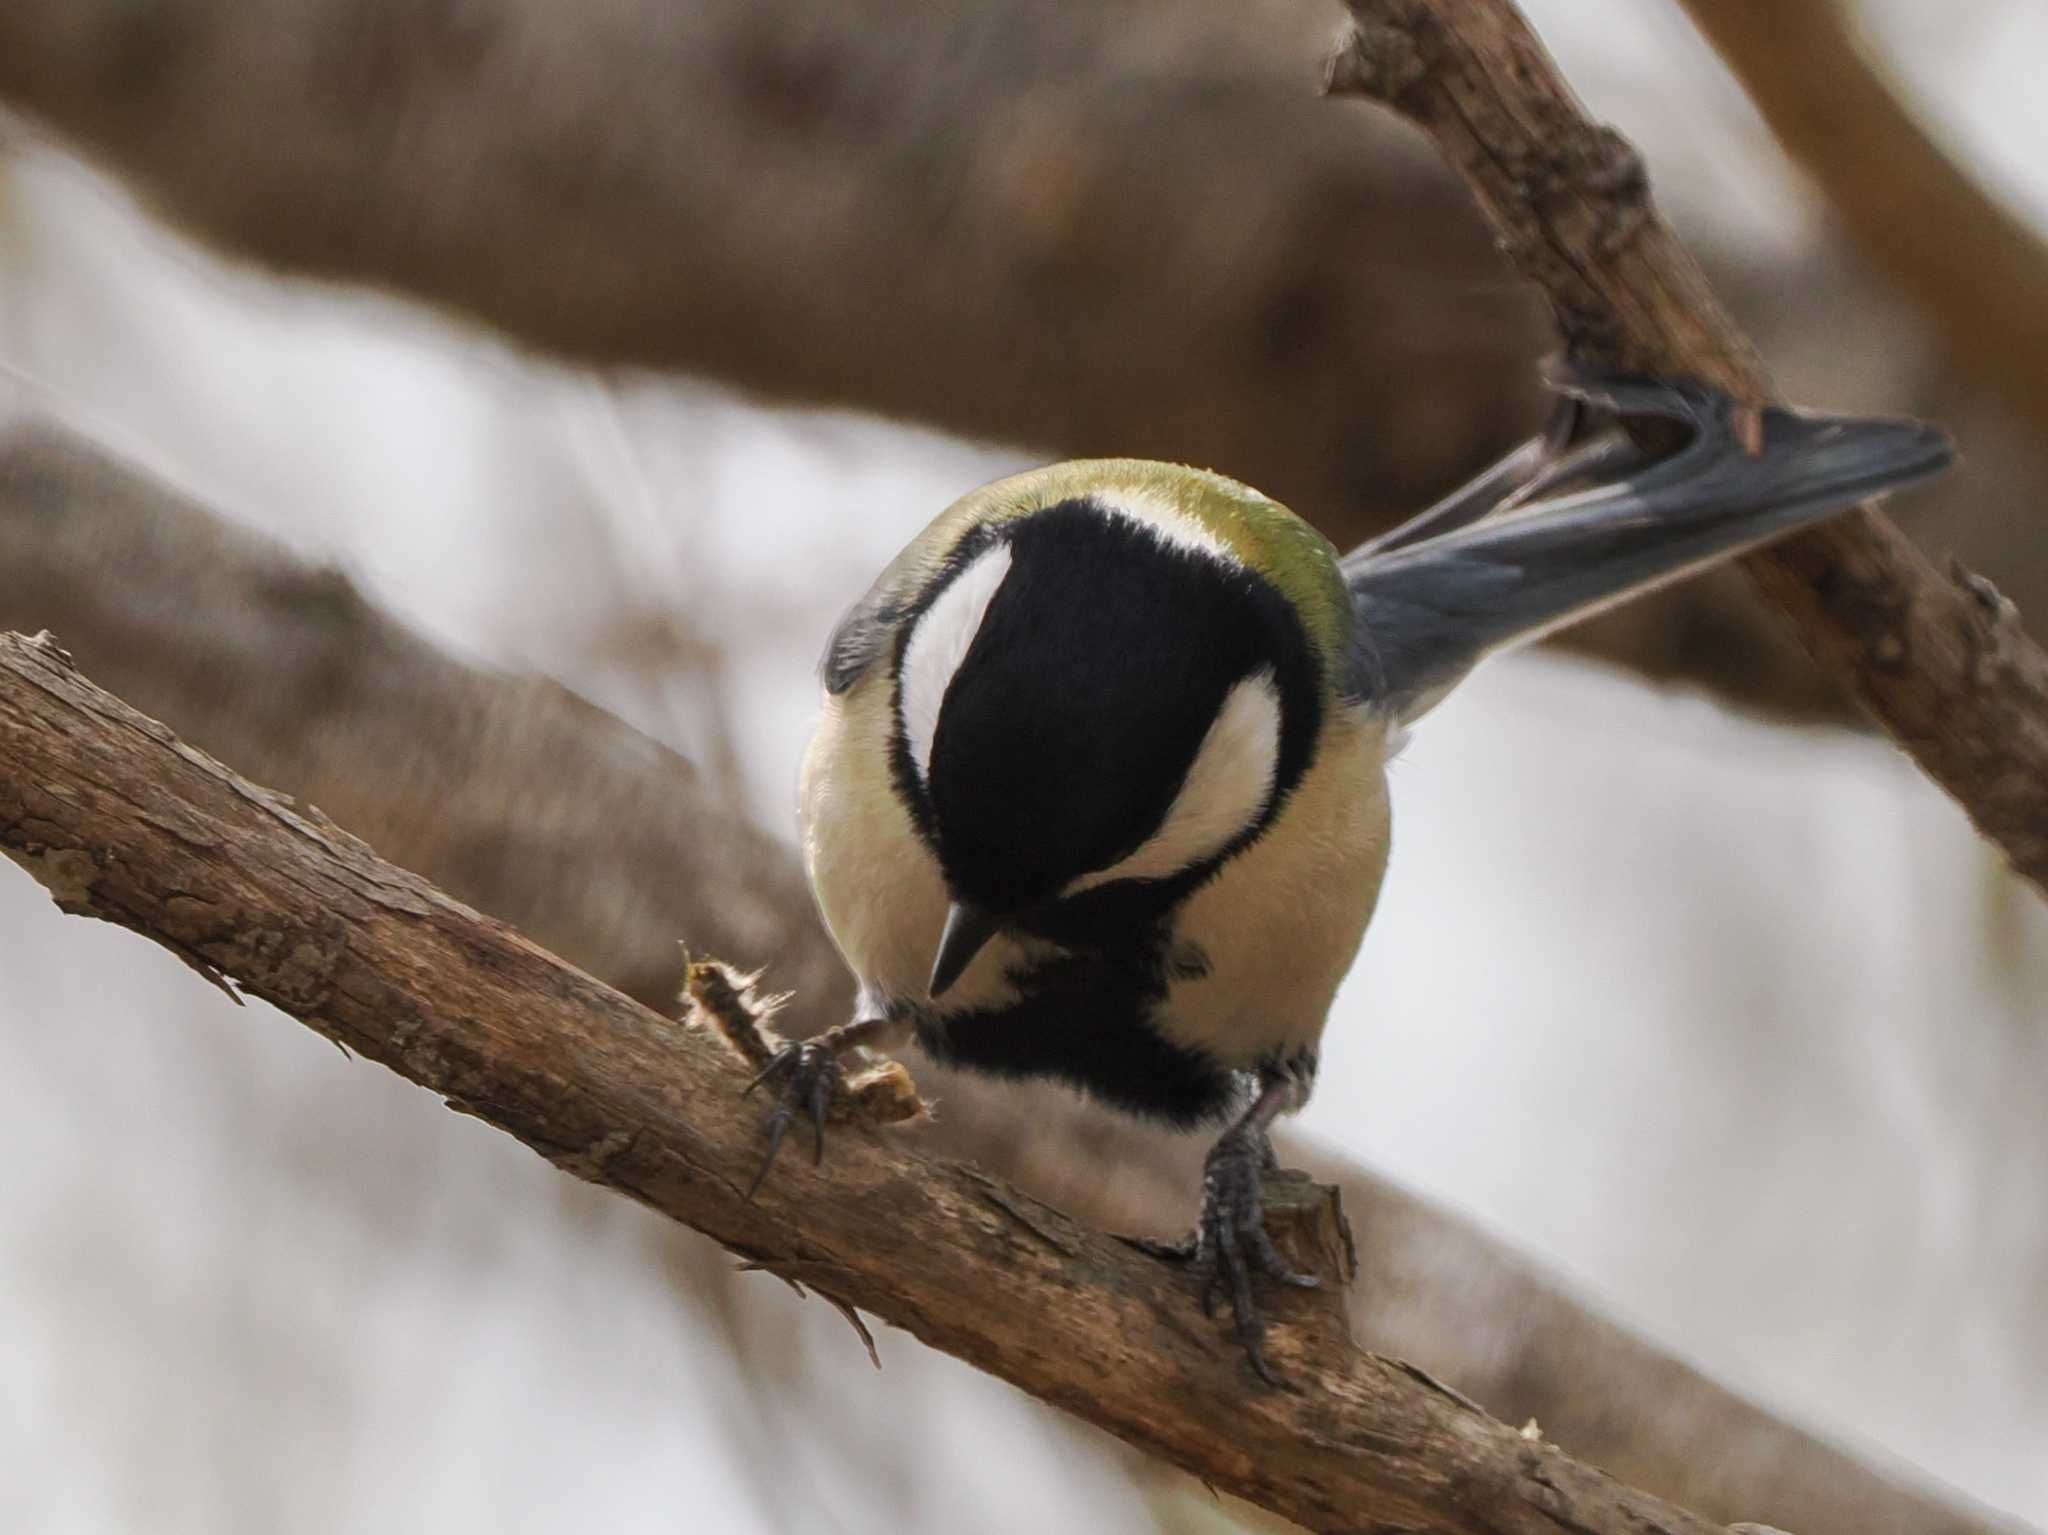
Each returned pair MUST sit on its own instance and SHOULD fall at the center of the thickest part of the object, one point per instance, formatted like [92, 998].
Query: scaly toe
[809, 1073]
[1231, 1243]
[824, 1079]
[1274, 1266]
[777, 1126]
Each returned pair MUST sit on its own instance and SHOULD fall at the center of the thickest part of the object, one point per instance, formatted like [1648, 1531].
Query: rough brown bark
[120, 820]
[1941, 663]
[460, 773]
[1917, 218]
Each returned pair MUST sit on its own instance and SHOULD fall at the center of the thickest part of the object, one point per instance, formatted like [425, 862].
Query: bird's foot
[809, 1073]
[1230, 1243]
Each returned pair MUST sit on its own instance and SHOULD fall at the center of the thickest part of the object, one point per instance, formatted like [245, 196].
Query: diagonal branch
[1941, 663]
[120, 820]
[511, 791]
[281, 667]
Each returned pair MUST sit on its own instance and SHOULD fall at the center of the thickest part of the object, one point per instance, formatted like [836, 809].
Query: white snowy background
[1735, 1025]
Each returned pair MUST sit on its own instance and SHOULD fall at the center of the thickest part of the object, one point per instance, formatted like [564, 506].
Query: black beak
[968, 930]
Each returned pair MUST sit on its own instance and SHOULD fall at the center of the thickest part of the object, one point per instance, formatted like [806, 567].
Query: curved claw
[812, 1072]
[779, 1062]
[817, 1101]
[1230, 1243]
[1275, 1267]
[777, 1125]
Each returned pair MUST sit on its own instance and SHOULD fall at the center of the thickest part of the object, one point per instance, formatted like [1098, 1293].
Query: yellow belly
[1281, 924]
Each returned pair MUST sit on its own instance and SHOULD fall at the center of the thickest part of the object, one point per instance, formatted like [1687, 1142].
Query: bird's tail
[1432, 604]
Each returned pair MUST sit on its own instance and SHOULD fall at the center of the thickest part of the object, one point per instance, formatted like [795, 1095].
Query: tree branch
[120, 820]
[1035, 223]
[592, 839]
[1970, 264]
[1942, 664]
[1116, 229]
[254, 656]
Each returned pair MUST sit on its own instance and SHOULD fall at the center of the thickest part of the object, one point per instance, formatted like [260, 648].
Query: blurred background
[379, 384]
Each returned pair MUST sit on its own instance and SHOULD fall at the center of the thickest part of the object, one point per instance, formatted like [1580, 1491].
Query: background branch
[929, 213]
[259, 658]
[591, 838]
[1122, 228]
[1917, 218]
[120, 820]
[1941, 663]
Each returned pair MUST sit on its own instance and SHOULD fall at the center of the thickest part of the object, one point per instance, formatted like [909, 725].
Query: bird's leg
[809, 1071]
[1230, 1242]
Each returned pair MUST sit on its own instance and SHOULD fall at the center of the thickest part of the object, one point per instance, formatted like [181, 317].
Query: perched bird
[1099, 791]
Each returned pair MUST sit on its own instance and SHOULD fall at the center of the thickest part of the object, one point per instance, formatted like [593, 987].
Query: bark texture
[1941, 662]
[527, 803]
[120, 820]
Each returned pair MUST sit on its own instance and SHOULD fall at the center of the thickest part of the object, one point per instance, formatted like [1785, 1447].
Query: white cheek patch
[1226, 789]
[939, 644]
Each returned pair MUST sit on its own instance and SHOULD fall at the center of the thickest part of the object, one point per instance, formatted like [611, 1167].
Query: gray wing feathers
[867, 630]
[1430, 610]
[857, 641]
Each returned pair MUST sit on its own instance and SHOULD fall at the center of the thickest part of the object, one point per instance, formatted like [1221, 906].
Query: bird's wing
[857, 641]
[1430, 609]
[867, 630]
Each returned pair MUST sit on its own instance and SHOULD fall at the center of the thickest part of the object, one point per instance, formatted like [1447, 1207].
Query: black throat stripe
[1088, 1019]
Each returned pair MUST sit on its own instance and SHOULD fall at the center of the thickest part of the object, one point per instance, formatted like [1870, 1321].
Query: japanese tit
[1099, 790]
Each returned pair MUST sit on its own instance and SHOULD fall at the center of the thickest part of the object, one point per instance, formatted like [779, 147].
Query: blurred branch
[1941, 663]
[1976, 269]
[1030, 221]
[120, 820]
[1119, 229]
[284, 664]
[535, 807]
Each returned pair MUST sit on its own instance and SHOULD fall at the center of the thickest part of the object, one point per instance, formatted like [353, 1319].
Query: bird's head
[1108, 676]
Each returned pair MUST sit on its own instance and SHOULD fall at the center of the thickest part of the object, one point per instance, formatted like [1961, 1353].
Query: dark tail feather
[1431, 610]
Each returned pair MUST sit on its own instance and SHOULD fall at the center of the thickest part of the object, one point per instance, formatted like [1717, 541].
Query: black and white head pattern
[1098, 698]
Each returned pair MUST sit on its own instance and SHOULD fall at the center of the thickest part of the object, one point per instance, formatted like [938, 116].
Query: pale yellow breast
[1282, 923]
